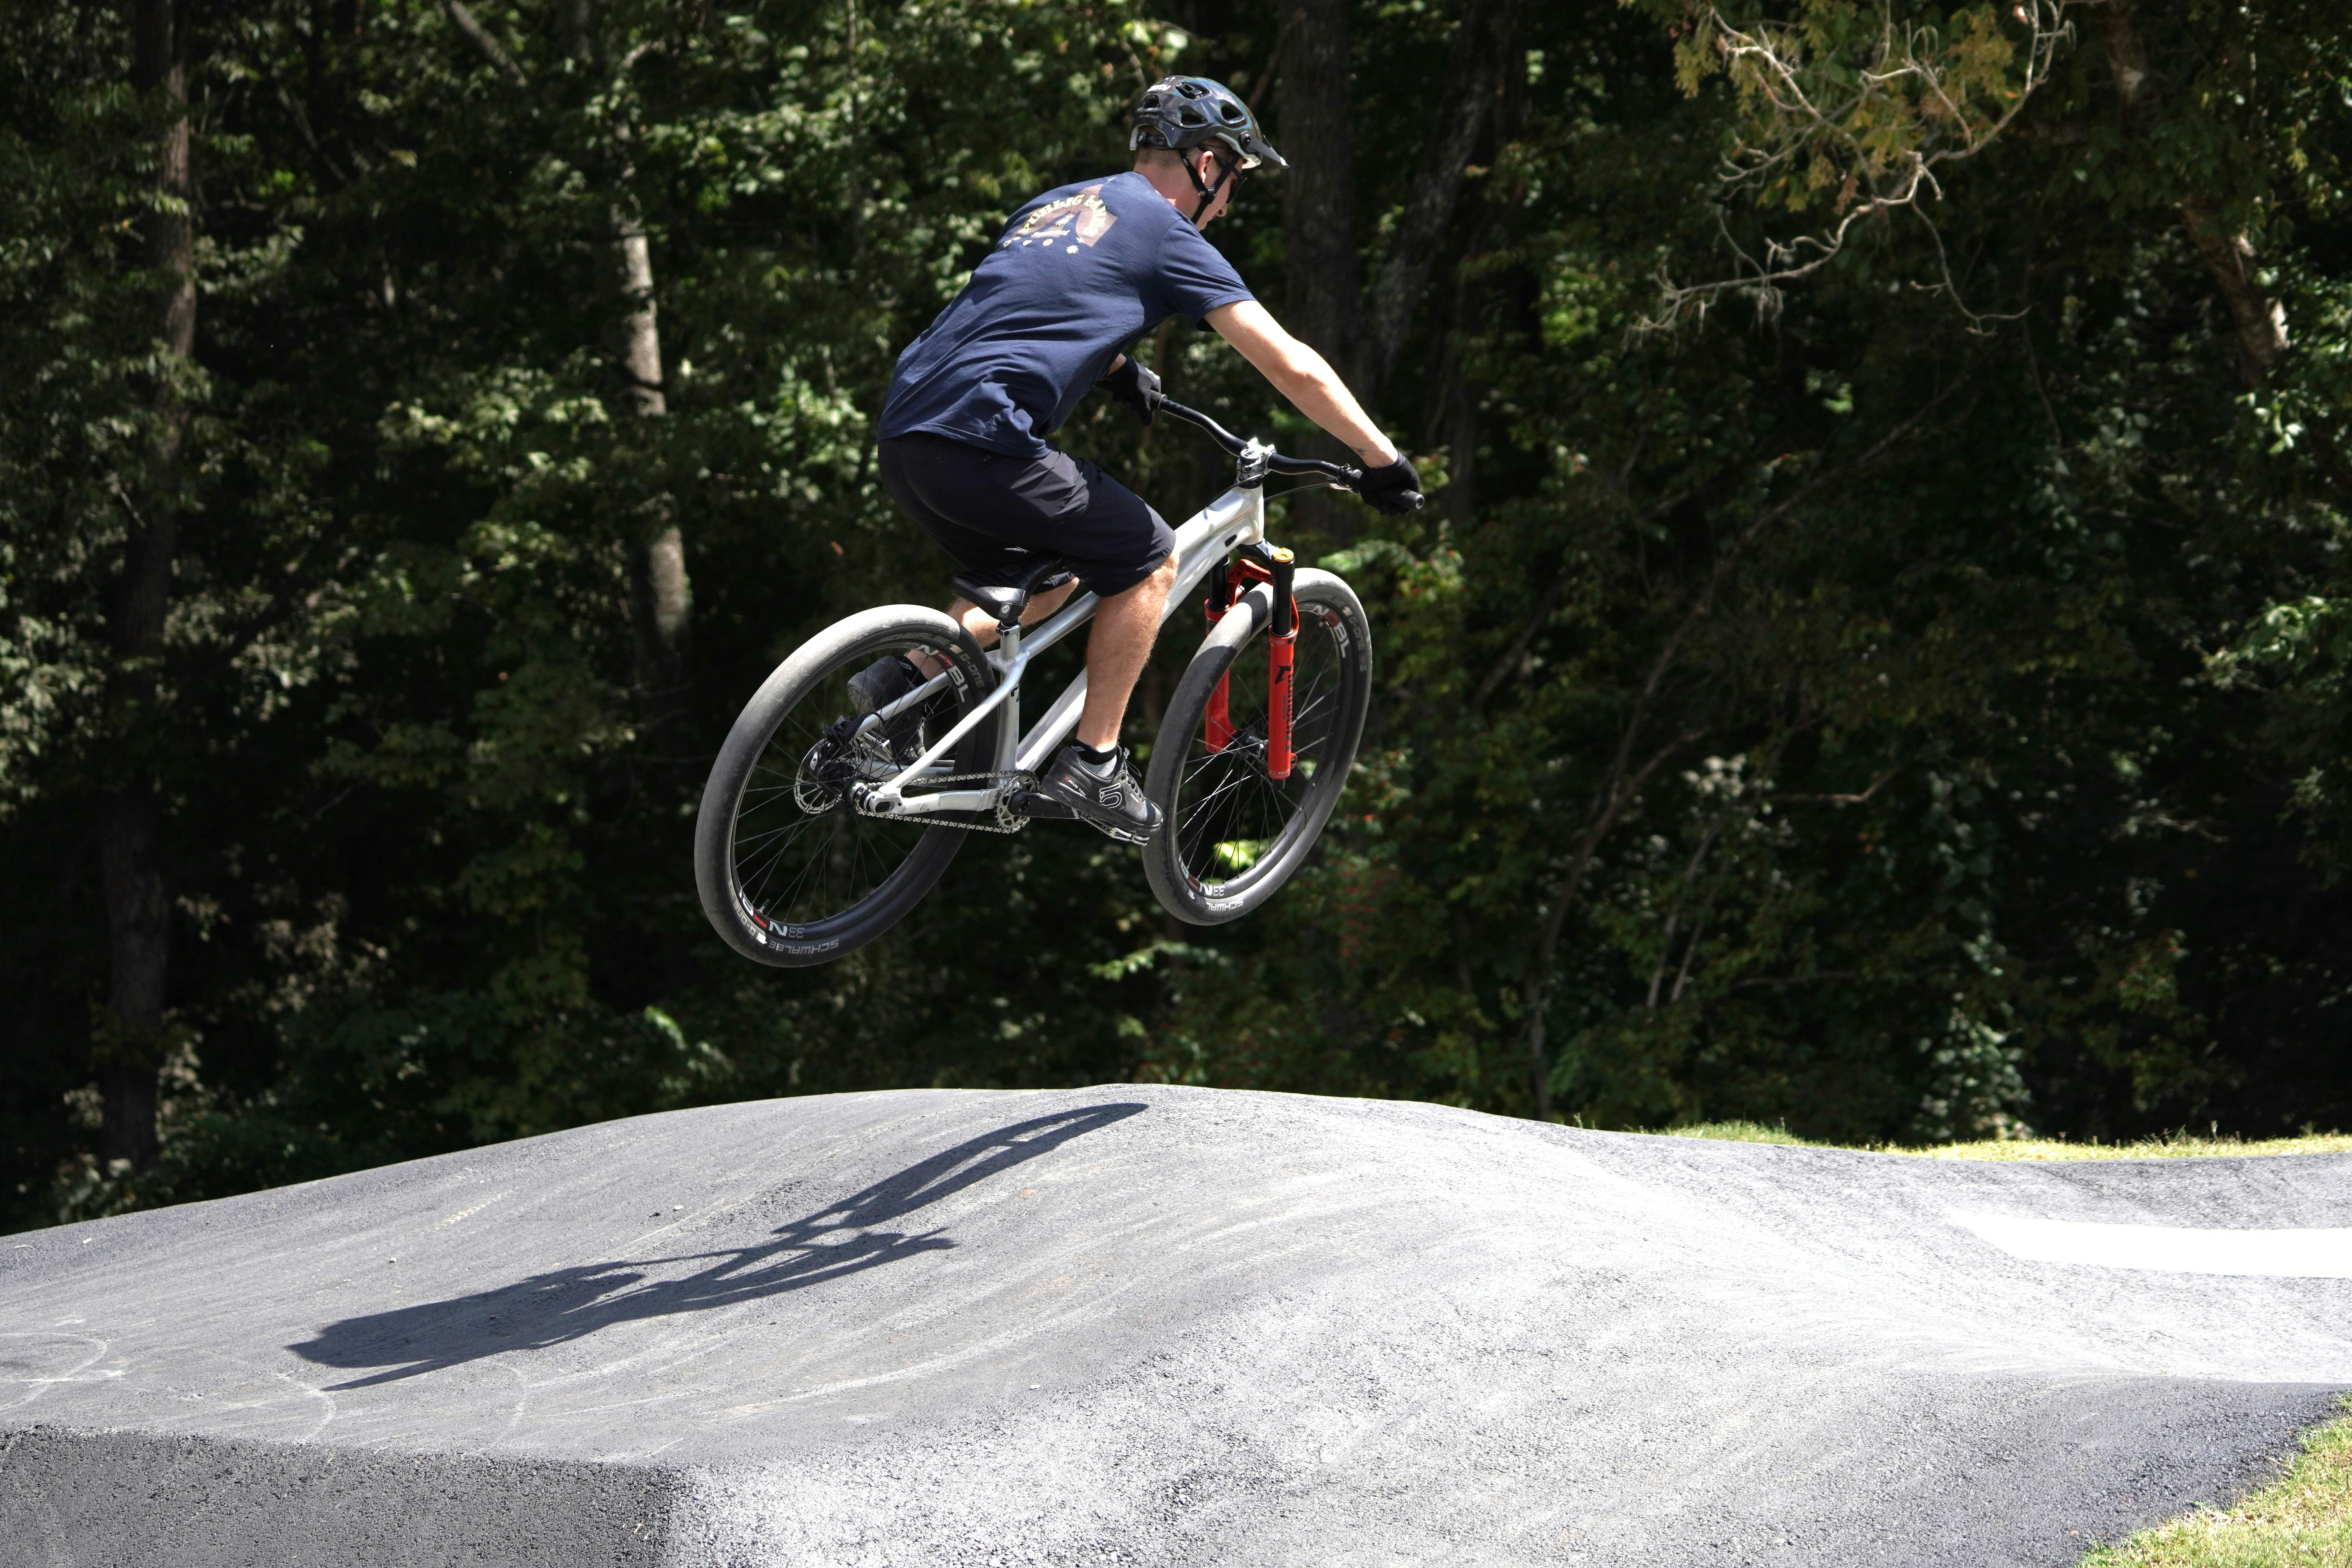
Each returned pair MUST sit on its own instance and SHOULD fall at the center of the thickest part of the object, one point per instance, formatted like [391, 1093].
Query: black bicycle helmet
[1188, 111]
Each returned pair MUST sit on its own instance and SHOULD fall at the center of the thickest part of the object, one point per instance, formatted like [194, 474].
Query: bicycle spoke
[779, 856]
[1230, 784]
[797, 866]
[1231, 816]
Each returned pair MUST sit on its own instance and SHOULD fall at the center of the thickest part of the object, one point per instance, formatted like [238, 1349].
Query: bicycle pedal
[1034, 804]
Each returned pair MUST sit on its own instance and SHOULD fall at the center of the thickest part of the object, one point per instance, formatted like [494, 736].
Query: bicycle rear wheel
[1235, 832]
[790, 872]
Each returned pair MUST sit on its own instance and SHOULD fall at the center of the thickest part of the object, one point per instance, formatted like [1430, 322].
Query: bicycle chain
[1007, 819]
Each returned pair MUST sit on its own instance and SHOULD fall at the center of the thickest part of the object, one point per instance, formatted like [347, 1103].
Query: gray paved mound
[1147, 1325]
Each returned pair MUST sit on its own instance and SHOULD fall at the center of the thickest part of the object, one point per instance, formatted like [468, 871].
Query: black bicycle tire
[1338, 612]
[822, 942]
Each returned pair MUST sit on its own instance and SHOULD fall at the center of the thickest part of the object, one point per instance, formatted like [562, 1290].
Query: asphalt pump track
[1142, 1324]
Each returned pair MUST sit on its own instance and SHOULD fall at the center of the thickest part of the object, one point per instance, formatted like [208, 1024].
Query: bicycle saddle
[1004, 591]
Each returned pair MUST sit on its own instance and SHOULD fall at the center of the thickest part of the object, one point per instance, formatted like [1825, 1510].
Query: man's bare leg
[1126, 625]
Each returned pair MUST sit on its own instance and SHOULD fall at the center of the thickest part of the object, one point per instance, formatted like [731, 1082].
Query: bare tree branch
[1861, 799]
[1781, 983]
[1502, 665]
[1878, 132]
[294, 111]
[1674, 916]
[470, 27]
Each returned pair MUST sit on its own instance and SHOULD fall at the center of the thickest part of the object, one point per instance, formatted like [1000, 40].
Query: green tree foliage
[1904, 699]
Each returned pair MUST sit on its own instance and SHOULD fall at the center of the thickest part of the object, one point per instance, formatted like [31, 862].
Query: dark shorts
[984, 507]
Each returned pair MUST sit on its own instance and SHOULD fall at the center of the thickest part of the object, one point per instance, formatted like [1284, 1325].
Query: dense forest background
[1875, 657]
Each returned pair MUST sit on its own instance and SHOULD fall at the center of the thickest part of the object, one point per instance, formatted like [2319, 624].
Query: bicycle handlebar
[1274, 462]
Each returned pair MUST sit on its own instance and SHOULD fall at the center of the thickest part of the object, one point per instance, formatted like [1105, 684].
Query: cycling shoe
[883, 682]
[1106, 795]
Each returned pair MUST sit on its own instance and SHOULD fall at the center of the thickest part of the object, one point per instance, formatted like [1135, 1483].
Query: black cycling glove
[1137, 388]
[1394, 490]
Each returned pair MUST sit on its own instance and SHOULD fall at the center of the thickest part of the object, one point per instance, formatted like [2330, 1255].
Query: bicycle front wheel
[1236, 829]
[790, 871]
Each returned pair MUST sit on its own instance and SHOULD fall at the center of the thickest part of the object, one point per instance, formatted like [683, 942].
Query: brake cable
[1318, 485]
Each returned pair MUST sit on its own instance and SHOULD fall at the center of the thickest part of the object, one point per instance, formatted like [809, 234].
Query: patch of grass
[2165, 1146]
[2169, 1146]
[1738, 1133]
[2304, 1520]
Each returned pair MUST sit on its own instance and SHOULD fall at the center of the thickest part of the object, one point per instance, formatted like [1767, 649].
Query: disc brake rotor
[826, 773]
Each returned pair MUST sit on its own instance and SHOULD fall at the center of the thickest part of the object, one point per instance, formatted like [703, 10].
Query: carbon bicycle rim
[1236, 831]
[790, 872]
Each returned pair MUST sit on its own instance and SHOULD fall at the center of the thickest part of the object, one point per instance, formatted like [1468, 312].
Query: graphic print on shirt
[1079, 216]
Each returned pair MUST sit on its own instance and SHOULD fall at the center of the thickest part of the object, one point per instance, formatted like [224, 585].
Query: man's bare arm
[1302, 375]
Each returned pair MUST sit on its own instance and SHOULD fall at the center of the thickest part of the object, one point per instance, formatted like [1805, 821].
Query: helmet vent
[1183, 112]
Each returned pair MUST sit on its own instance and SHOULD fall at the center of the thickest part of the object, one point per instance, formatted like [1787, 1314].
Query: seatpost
[1008, 728]
[1280, 648]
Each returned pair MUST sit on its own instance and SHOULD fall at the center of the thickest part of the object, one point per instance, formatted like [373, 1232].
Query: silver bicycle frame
[1235, 518]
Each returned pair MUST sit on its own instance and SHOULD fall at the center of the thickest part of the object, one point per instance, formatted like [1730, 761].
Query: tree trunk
[1462, 112]
[1327, 304]
[577, 23]
[662, 599]
[138, 907]
[139, 952]
[661, 596]
[1318, 194]
[1324, 306]
[2259, 319]
[1476, 305]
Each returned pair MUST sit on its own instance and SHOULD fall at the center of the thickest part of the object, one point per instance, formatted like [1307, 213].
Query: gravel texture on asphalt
[1143, 1324]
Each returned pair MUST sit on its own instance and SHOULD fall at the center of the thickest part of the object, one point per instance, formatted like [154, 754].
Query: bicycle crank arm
[872, 801]
[1019, 797]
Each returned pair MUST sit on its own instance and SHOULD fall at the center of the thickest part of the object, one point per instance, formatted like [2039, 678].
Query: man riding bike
[1081, 272]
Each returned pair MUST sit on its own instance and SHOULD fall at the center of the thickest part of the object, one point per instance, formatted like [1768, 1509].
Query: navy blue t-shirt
[1081, 272]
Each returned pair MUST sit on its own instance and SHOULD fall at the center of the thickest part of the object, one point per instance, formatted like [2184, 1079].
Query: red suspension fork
[1217, 729]
[1280, 648]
